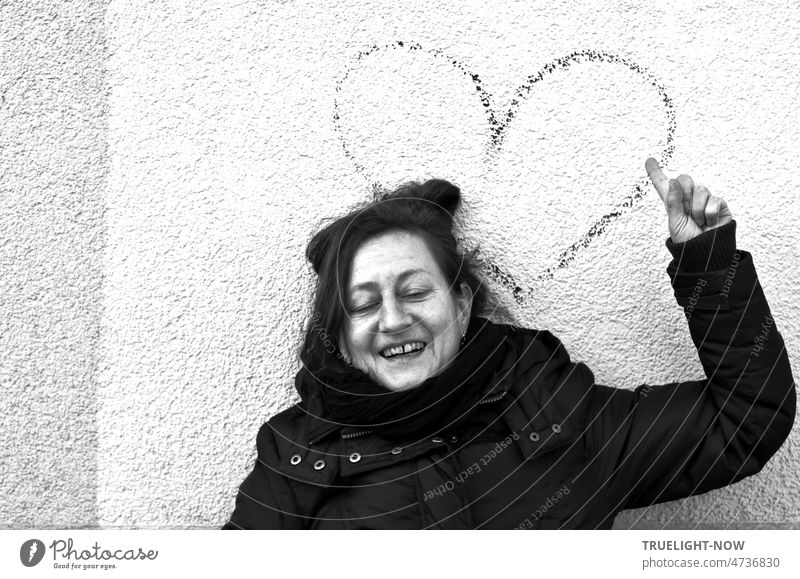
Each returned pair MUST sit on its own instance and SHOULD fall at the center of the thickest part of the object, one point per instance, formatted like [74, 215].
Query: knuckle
[702, 190]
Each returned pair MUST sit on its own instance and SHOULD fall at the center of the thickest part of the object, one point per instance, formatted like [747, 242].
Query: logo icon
[31, 552]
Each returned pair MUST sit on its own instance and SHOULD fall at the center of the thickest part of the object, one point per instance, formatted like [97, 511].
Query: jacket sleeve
[660, 443]
[265, 499]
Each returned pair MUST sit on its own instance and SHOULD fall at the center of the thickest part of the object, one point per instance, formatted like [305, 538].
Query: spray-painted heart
[498, 129]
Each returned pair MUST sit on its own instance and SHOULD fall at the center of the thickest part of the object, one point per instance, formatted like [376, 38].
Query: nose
[393, 316]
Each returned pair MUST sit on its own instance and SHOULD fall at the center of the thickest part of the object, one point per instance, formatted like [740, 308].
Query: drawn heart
[562, 172]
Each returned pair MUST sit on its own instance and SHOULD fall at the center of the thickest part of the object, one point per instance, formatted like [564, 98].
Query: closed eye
[415, 294]
[369, 306]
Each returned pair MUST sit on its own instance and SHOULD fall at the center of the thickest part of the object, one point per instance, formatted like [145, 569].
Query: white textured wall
[53, 184]
[153, 299]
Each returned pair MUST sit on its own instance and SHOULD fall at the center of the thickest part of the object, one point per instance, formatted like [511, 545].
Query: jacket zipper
[493, 398]
[348, 435]
[356, 434]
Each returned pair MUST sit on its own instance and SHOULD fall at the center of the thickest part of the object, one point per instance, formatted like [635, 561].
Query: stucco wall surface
[164, 165]
[53, 180]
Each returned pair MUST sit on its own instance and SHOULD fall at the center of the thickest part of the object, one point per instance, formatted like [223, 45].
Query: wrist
[712, 250]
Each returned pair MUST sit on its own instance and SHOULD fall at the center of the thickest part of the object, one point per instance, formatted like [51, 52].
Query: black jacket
[549, 448]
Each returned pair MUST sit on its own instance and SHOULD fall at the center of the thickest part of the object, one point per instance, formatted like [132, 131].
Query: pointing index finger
[657, 177]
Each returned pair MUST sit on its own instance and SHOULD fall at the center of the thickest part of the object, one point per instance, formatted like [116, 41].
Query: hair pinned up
[411, 206]
[435, 193]
[425, 209]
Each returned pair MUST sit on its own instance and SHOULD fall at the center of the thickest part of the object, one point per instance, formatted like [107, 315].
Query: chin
[397, 386]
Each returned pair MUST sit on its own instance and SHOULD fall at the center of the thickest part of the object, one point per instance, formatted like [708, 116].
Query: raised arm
[660, 443]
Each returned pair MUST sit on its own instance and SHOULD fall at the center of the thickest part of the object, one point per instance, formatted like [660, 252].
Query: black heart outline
[498, 130]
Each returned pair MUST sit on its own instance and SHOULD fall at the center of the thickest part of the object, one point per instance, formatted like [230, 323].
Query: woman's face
[398, 296]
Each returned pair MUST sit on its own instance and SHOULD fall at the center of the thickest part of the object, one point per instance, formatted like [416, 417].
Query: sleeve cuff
[709, 251]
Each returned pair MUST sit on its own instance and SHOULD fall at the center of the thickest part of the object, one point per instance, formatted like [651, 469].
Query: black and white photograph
[376, 265]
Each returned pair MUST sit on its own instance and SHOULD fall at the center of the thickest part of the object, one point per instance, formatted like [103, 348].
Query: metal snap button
[556, 427]
[397, 450]
[454, 438]
[296, 458]
[319, 464]
[355, 457]
[534, 436]
[437, 439]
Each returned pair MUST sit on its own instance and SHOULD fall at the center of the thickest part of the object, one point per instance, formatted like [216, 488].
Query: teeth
[411, 346]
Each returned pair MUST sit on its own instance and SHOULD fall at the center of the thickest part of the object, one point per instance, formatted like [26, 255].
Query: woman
[418, 411]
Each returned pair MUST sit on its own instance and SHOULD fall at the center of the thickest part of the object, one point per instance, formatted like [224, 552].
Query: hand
[691, 209]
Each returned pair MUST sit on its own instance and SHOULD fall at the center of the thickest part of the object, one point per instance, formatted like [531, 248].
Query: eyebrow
[400, 278]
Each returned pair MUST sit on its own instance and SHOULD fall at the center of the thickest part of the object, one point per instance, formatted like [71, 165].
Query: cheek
[449, 325]
[356, 339]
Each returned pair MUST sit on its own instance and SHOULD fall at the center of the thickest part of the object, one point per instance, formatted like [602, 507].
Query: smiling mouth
[410, 350]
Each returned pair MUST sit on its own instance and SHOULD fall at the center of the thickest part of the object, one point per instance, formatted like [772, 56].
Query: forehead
[385, 258]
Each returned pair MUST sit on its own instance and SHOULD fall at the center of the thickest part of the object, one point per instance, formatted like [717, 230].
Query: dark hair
[425, 209]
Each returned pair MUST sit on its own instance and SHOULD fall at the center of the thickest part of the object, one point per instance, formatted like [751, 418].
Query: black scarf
[351, 398]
